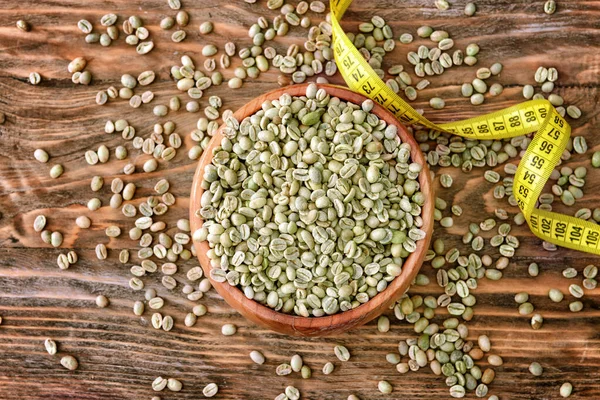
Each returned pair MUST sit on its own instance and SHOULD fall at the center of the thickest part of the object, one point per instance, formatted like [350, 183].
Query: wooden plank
[121, 354]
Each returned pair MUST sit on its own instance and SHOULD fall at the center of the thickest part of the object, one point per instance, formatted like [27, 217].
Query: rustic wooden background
[121, 354]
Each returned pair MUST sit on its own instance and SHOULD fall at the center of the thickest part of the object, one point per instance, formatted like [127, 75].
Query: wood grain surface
[121, 354]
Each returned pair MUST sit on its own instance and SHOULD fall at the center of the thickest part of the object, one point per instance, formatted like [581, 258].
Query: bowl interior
[317, 326]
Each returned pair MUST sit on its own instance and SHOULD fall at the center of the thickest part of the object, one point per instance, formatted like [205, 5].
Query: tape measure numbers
[540, 159]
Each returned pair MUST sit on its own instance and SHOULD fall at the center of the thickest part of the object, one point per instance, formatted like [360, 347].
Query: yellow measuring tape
[542, 155]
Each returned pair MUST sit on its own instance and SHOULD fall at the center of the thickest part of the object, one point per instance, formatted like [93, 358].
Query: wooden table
[120, 354]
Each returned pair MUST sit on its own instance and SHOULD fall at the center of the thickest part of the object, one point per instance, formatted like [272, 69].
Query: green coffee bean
[23, 25]
[446, 44]
[472, 49]
[470, 9]
[521, 298]
[383, 324]
[576, 306]
[479, 85]
[296, 363]
[446, 180]
[406, 38]
[34, 78]
[174, 4]
[69, 362]
[56, 171]
[496, 89]
[457, 391]
[438, 36]
[342, 353]
[576, 291]
[50, 346]
[144, 47]
[424, 31]
[555, 295]
[533, 269]
[437, 103]
[384, 387]
[257, 357]
[167, 23]
[550, 8]
[466, 90]
[182, 18]
[496, 68]
[566, 389]
[283, 369]
[556, 100]
[541, 75]
[477, 99]
[102, 301]
[228, 329]
[528, 91]
[574, 112]
[536, 321]
[211, 389]
[525, 308]
[328, 368]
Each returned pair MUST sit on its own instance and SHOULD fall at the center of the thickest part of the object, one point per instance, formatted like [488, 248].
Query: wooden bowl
[327, 325]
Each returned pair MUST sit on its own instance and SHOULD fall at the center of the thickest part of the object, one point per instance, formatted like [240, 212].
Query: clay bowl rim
[337, 323]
